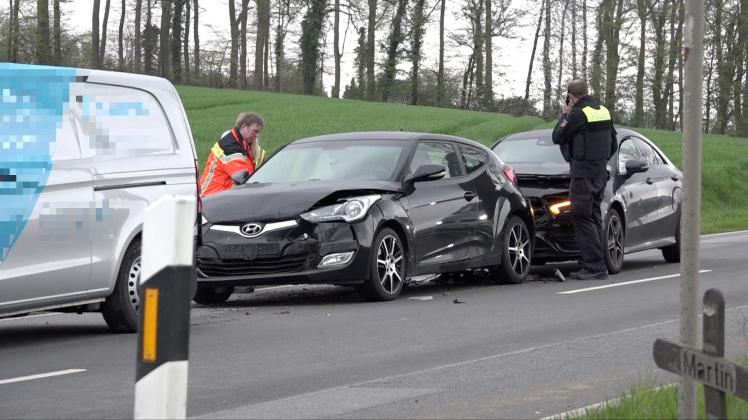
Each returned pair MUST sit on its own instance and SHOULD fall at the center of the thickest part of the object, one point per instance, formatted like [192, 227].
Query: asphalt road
[458, 349]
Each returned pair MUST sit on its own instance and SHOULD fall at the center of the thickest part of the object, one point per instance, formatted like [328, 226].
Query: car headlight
[560, 207]
[349, 210]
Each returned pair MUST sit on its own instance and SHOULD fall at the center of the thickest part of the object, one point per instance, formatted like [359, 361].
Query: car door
[475, 161]
[48, 261]
[639, 194]
[442, 211]
[668, 185]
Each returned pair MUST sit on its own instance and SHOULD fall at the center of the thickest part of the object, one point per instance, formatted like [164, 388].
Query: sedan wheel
[613, 237]
[516, 253]
[387, 272]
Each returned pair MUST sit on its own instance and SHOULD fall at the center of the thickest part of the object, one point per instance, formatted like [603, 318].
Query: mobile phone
[567, 100]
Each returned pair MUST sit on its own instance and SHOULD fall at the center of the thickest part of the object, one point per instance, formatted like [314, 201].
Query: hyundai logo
[250, 230]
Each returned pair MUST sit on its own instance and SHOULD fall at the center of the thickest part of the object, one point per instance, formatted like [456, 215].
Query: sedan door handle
[649, 181]
[469, 196]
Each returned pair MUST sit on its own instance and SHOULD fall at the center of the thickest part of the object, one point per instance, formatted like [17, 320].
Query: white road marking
[40, 376]
[735, 232]
[624, 283]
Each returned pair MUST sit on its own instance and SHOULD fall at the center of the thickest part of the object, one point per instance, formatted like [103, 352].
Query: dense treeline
[628, 50]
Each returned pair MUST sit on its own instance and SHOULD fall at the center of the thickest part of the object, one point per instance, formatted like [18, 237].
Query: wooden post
[714, 345]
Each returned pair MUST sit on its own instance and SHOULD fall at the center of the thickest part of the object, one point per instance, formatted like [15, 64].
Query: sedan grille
[214, 267]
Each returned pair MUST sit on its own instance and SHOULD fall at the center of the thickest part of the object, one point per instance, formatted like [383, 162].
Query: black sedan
[366, 209]
[641, 205]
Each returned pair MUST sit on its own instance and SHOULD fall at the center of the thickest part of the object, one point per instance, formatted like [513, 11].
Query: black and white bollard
[165, 284]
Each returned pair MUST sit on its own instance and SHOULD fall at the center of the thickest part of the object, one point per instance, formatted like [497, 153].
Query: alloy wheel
[615, 240]
[390, 264]
[133, 278]
[519, 248]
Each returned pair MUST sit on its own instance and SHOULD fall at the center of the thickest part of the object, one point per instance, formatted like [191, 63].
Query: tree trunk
[595, 79]
[336, 49]
[574, 39]
[672, 60]
[370, 77]
[641, 10]
[234, 57]
[148, 43]
[534, 48]
[280, 34]
[741, 89]
[138, 50]
[361, 64]
[311, 32]
[57, 34]
[186, 42]
[658, 99]
[176, 41]
[718, 5]
[94, 34]
[613, 57]
[393, 44]
[440, 73]
[547, 62]
[196, 38]
[121, 39]
[10, 31]
[464, 96]
[243, 16]
[478, 40]
[43, 50]
[561, 57]
[417, 42]
[584, 40]
[726, 73]
[488, 93]
[263, 21]
[164, 52]
[104, 22]
[266, 54]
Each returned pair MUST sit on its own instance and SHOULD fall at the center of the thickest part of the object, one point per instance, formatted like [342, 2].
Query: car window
[114, 121]
[529, 150]
[436, 153]
[473, 158]
[627, 150]
[649, 154]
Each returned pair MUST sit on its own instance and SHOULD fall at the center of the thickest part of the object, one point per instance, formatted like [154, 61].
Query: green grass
[290, 117]
[648, 402]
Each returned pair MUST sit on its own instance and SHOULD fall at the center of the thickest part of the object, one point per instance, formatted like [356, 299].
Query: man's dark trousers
[586, 195]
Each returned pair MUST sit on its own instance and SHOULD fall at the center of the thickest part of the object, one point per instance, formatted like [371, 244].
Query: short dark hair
[577, 87]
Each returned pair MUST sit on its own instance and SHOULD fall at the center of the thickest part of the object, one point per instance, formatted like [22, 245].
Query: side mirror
[240, 177]
[635, 165]
[426, 173]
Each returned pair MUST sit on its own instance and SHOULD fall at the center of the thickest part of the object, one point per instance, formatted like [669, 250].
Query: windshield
[529, 150]
[333, 161]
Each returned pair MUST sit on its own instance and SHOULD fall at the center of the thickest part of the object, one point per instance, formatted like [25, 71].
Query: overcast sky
[511, 57]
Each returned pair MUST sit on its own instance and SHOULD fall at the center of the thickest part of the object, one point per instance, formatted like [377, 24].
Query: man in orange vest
[237, 149]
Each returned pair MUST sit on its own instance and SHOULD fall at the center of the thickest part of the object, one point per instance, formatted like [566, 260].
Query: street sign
[709, 366]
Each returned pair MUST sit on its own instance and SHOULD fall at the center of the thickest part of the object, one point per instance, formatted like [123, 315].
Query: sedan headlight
[349, 210]
[560, 207]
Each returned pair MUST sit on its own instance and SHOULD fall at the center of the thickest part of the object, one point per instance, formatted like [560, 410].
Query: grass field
[290, 117]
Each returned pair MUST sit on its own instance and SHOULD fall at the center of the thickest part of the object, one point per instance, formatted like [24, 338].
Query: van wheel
[516, 252]
[212, 295]
[121, 308]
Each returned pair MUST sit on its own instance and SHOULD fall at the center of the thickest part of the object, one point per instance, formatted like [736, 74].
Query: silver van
[82, 154]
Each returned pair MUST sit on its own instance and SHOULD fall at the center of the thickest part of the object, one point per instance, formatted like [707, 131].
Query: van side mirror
[635, 165]
[240, 177]
[428, 172]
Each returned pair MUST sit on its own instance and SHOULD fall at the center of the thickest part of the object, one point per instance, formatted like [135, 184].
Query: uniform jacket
[587, 138]
[231, 153]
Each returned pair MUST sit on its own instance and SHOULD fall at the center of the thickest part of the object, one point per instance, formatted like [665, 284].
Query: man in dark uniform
[587, 138]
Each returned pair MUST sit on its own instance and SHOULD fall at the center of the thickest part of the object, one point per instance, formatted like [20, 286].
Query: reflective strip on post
[165, 284]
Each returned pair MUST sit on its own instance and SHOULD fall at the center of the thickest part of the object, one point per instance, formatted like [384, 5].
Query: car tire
[386, 267]
[120, 309]
[207, 295]
[516, 253]
[614, 237]
[671, 253]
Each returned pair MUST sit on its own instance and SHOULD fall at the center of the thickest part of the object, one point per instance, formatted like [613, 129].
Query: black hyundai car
[641, 206]
[368, 209]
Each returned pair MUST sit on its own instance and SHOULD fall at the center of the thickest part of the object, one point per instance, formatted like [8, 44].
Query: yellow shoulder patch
[596, 115]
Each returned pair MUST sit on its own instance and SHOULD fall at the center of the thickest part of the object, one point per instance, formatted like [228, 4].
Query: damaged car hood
[277, 202]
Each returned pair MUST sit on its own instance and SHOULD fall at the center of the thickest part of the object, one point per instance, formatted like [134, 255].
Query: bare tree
[419, 21]
[336, 48]
[643, 9]
[741, 88]
[574, 39]
[547, 62]
[440, 73]
[164, 52]
[263, 32]
[393, 45]
[561, 54]
[196, 38]
[43, 50]
[243, 16]
[311, 34]
[95, 62]
[57, 34]
[137, 41]
[186, 41]
[149, 42]
[121, 38]
[534, 48]
[104, 22]
[597, 53]
[488, 92]
[370, 33]
[584, 39]
[176, 40]
[234, 58]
